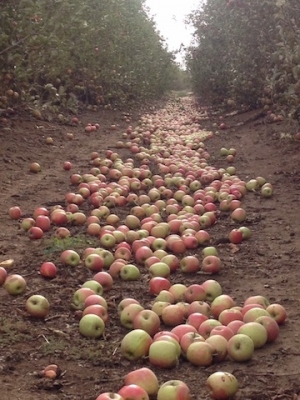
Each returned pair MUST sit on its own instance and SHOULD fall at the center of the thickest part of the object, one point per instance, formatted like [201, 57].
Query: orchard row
[168, 214]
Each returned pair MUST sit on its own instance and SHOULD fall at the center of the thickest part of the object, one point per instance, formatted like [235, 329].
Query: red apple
[222, 330]
[35, 233]
[67, 165]
[15, 212]
[35, 167]
[172, 315]
[194, 292]
[43, 222]
[190, 264]
[188, 338]
[3, 275]
[95, 299]
[211, 264]
[105, 279]
[196, 319]
[96, 309]
[207, 326]
[48, 270]
[271, 327]
[235, 236]
[278, 312]
[109, 396]
[157, 284]
[235, 325]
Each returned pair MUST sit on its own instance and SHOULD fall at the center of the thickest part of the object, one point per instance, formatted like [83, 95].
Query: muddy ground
[267, 264]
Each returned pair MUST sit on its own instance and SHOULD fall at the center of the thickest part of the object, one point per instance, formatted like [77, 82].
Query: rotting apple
[223, 385]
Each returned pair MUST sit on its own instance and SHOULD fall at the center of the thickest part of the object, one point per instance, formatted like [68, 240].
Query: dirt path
[267, 264]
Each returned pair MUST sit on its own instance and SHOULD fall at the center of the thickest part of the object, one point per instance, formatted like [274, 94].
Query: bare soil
[267, 264]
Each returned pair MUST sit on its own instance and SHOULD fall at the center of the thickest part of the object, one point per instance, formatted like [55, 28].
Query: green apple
[129, 313]
[178, 290]
[91, 325]
[163, 354]
[15, 284]
[219, 345]
[246, 232]
[212, 289]
[252, 185]
[135, 344]
[221, 303]
[159, 269]
[107, 256]
[257, 299]
[210, 251]
[223, 151]
[267, 190]
[160, 336]
[70, 257]
[240, 348]
[80, 296]
[255, 312]
[124, 303]
[158, 307]
[37, 306]
[94, 285]
[130, 272]
[174, 390]
[165, 296]
[256, 332]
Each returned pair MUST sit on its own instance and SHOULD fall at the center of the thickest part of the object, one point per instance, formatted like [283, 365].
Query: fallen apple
[223, 385]
[15, 284]
[91, 325]
[135, 344]
[174, 390]
[37, 306]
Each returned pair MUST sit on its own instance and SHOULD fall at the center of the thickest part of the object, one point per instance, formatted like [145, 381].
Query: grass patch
[13, 331]
[72, 351]
[55, 244]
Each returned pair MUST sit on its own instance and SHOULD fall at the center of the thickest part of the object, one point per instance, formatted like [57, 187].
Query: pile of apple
[201, 331]
[142, 384]
[169, 212]
[91, 127]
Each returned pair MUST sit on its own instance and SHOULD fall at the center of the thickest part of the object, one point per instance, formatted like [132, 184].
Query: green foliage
[100, 52]
[247, 51]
